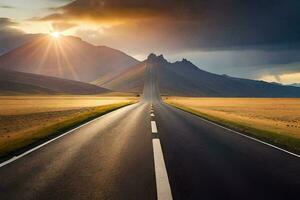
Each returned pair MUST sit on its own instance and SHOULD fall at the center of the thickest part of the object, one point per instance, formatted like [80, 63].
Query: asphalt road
[133, 153]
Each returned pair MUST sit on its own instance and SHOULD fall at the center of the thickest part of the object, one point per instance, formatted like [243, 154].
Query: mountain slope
[131, 80]
[12, 82]
[185, 79]
[67, 57]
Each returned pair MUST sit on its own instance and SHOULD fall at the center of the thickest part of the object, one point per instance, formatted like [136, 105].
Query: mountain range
[49, 65]
[183, 78]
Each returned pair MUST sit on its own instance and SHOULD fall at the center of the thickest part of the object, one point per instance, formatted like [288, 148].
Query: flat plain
[28, 119]
[273, 119]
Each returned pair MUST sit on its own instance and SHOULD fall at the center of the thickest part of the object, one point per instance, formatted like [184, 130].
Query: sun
[55, 35]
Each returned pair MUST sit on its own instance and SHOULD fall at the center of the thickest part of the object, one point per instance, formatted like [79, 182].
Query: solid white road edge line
[153, 127]
[161, 176]
[252, 138]
[49, 141]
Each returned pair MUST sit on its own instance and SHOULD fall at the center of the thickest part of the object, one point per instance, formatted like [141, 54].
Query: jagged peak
[184, 61]
[156, 58]
[151, 56]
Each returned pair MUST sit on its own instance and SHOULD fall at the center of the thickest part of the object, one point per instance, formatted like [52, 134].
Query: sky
[256, 39]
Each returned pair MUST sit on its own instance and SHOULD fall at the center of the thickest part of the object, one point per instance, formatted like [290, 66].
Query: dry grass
[24, 120]
[18, 105]
[270, 118]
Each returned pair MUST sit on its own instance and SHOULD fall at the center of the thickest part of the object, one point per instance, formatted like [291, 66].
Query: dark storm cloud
[199, 24]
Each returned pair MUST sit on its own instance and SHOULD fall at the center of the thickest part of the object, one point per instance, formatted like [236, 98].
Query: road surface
[152, 152]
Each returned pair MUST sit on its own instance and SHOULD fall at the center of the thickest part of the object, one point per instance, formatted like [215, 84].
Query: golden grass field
[17, 105]
[273, 119]
[27, 119]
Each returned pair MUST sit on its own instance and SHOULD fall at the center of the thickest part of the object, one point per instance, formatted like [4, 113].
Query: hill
[183, 78]
[67, 57]
[12, 82]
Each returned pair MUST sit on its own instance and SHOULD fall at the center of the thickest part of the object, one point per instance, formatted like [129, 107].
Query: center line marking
[152, 115]
[161, 176]
[153, 127]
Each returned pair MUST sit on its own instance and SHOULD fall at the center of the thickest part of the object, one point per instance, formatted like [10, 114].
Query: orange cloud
[62, 26]
[283, 78]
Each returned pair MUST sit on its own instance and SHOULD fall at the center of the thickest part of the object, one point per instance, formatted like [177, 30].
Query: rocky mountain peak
[153, 58]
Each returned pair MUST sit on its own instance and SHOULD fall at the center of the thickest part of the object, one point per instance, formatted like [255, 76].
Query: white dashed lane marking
[153, 127]
[161, 176]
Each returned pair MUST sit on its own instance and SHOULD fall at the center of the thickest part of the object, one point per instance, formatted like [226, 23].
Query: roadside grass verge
[17, 143]
[284, 141]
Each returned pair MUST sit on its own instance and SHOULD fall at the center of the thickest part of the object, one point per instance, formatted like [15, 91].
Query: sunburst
[55, 35]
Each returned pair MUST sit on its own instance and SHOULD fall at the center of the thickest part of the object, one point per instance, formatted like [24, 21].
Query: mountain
[12, 82]
[67, 57]
[183, 78]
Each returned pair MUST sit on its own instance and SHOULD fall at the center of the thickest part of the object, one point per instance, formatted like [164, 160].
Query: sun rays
[54, 55]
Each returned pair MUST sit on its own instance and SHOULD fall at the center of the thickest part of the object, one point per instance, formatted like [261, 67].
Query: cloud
[6, 22]
[7, 27]
[288, 78]
[101, 10]
[6, 7]
[62, 26]
[194, 24]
